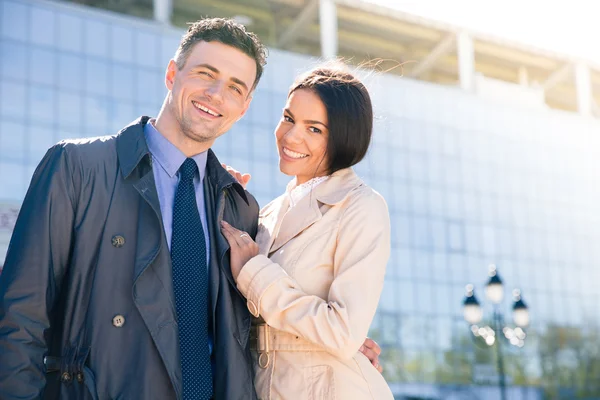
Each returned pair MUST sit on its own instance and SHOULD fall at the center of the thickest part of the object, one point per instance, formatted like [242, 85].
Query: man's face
[211, 91]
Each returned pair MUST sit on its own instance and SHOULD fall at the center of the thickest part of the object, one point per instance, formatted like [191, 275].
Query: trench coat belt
[52, 364]
[265, 339]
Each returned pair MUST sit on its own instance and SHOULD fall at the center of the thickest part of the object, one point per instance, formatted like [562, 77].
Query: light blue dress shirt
[166, 161]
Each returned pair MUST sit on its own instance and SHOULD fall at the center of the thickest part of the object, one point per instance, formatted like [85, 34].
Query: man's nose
[215, 91]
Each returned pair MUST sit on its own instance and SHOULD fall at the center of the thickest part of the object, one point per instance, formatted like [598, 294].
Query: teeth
[293, 154]
[206, 110]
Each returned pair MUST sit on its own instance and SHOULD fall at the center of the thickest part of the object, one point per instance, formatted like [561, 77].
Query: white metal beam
[445, 46]
[466, 61]
[583, 84]
[328, 26]
[306, 16]
[558, 76]
[163, 9]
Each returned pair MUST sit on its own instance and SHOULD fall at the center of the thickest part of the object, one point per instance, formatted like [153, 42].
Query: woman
[314, 276]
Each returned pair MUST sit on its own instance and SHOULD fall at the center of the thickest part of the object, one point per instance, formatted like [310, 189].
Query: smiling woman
[314, 275]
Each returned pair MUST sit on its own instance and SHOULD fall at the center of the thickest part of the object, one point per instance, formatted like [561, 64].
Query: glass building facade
[469, 182]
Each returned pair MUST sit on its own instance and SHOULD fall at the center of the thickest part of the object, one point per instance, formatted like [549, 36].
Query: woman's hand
[242, 247]
[242, 179]
[371, 349]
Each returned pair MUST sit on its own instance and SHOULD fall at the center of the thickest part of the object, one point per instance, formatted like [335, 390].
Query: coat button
[66, 377]
[118, 321]
[79, 377]
[118, 241]
[252, 308]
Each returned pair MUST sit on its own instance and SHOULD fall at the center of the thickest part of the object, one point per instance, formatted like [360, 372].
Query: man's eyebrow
[306, 121]
[216, 71]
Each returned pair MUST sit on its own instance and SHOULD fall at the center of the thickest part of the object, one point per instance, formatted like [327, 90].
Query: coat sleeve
[341, 322]
[35, 264]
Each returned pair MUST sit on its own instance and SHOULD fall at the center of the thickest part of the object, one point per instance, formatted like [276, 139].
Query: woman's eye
[287, 119]
[315, 130]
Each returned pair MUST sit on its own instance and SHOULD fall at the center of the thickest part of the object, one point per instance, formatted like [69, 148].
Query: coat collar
[308, 211]
[132, 148]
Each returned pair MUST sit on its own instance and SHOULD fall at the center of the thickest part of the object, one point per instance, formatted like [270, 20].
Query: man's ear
[170, 74]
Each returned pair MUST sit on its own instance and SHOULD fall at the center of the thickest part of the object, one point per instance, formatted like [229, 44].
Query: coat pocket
[320, 382]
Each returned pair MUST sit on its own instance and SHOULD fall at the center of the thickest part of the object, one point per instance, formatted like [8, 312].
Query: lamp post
[494, 291]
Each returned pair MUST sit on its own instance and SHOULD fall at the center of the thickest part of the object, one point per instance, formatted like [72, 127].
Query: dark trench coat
[87, 284]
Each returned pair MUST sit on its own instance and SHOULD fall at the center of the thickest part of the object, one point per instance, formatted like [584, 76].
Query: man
[117, 281]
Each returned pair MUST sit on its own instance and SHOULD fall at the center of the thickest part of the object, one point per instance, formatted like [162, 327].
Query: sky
[568, 27]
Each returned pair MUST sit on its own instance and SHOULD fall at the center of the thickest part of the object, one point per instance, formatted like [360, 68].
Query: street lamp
[494, 291]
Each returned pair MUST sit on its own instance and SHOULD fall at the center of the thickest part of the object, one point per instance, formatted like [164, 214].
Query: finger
[246, 178]
[236, 234]
[228, 235]
[371, 355]
[379, 368]
[370, 343]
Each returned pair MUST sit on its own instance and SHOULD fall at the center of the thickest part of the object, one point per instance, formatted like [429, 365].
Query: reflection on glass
[70, 32]
[42, 66]
[42, 26]
[13, 100]
[14, 66]
[15, 19]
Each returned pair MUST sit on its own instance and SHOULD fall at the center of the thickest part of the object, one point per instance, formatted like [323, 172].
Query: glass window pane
[42, 100]
[69, 110]
[122, 114]
[96, 38]
[42, 26]
[387, 301]
[15, 65]
[147, 46]
[41, 138]
[12, 141]
[42, 66]
[13, 100]
[148, 85]
[70, 32]
[122, 81]
[15, 20]
[13, 176]
[406, 296]
[96, 116]
[70, 72]
[121, 46]
[96, 77]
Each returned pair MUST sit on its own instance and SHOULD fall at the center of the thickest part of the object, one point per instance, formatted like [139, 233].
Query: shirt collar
[169, 157]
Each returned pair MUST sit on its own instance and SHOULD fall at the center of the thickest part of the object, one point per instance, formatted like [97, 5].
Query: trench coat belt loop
[264, 358]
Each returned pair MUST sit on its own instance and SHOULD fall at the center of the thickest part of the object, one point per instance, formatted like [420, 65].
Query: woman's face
[302, 136]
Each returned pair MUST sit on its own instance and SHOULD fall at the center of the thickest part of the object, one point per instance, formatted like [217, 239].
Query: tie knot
[188, 169]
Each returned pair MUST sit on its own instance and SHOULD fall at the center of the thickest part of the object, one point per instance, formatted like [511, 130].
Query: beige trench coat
[316, 283]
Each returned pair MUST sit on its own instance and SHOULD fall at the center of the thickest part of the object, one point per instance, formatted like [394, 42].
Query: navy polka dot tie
[190, 284]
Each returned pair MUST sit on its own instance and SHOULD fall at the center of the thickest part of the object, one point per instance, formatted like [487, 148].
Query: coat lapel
[294, 221]
[152, 284]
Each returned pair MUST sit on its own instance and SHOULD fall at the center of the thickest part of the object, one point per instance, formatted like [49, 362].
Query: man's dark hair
[225, 31]
[349, 114]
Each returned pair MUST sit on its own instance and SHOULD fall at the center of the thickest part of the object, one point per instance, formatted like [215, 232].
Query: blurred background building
[486, 148]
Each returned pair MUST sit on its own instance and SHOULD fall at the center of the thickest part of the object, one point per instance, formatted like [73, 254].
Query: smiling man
[117, 282]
